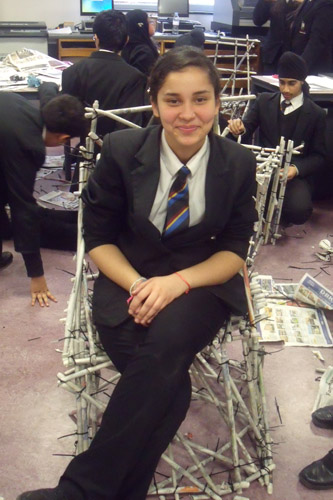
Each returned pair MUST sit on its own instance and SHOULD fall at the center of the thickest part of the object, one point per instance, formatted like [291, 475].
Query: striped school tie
[178, 215]
[284, 105]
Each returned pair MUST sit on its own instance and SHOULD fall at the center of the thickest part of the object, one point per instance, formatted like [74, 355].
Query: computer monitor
[93, 7]
[167, 8]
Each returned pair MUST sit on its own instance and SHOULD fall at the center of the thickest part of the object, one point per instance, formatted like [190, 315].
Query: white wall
[50, 11]
[54, 12]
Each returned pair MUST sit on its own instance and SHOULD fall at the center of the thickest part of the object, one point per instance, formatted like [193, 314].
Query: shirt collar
[173, 163]
[296, 102]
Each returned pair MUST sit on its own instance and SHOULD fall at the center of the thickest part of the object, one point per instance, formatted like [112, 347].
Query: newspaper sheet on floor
[288, 320]
[325, 391]
[64, 199]
[44, 172]
[52, 161]
[314, 293]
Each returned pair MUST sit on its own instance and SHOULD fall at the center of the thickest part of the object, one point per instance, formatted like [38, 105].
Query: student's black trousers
[150, 400]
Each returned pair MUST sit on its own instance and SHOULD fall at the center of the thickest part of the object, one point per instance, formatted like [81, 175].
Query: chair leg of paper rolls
[210, 462]
[224, 457]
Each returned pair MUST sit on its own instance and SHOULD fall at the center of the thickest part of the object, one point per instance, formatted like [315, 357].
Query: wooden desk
[75, 47]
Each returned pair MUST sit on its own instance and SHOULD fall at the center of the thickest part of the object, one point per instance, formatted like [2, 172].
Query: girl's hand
[151, 296]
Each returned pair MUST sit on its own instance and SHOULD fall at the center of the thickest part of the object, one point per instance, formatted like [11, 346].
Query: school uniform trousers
[309, 129]
[153, 394]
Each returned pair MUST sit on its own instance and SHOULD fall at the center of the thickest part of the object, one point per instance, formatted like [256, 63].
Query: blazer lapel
[300, 134]
[271, 115]
[216, 184]
[146, 175]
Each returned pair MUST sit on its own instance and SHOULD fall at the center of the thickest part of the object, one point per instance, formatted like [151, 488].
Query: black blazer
[141, 56]
[310, 130]
[312, 35]
[118, 200]
[105, 76]
[22, 153]
[276, 41]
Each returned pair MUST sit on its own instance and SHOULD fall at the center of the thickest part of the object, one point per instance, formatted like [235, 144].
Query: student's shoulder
[314, 108]
[264, 97]
[132, 72]
[128, 141]
[230, 149]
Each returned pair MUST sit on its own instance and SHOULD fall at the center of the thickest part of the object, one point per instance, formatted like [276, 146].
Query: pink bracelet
[187, 283]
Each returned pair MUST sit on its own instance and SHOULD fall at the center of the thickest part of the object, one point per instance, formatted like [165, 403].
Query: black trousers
[297, 205]
[58, 228]
[150, 400]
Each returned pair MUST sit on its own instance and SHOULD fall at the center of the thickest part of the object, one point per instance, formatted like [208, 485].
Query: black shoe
[323, 417]
[318, 475]
[6, 258]
[45, 494]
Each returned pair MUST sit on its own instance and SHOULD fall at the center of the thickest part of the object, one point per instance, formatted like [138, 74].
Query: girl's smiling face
[186, 105]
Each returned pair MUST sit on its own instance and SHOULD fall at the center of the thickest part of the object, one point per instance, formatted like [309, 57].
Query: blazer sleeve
[20, 169]
[314, 157]
[104, 214]
[71, 83]
[142, 58]
[251, 120]
[261, 12]
[133, 95]
[320, 36]
[236, 234]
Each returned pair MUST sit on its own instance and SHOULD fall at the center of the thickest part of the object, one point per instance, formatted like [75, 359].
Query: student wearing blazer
[311, 35]
[104, 75]
[279, 14]
[25, 131]
[164, 290]
[305, 124]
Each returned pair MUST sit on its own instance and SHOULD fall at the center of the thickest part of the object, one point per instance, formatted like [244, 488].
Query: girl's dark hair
[138, 34]
[138, 28]
[178, 59]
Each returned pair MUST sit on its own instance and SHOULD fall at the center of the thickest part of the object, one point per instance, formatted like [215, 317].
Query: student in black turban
[291, 114]
[292, 66]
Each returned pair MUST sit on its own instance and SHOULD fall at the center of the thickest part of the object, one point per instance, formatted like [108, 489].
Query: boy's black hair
[64, 114]
[111, 28]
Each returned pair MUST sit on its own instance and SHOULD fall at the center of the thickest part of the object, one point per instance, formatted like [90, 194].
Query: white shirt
[295, 103]
[105, 50]
[196, 180]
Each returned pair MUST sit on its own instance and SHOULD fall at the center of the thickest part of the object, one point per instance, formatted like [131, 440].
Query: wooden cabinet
[69, 48]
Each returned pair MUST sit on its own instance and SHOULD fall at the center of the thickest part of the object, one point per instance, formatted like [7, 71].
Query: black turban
[292, 66]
